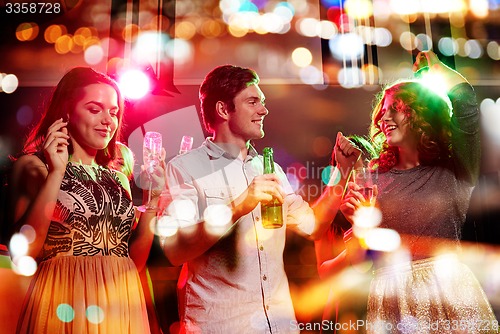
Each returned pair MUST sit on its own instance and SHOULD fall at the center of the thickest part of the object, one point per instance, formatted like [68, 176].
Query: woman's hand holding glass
[363, 181]
[361, 194]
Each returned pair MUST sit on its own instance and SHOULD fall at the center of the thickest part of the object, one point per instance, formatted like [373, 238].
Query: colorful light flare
[134, 84]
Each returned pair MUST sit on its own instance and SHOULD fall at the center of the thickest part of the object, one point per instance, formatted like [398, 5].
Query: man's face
[247, 120]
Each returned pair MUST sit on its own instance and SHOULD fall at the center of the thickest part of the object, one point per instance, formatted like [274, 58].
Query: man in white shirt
[233, 278]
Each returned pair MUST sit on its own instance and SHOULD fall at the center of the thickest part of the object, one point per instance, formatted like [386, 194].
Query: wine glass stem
[149, 192]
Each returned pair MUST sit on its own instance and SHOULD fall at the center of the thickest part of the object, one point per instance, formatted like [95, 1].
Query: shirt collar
[216, 151]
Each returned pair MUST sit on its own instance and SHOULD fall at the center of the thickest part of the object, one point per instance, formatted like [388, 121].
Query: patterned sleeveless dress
[86, 281]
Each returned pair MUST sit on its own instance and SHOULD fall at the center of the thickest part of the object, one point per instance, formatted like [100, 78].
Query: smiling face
[394, 123]
[247, 120]
[94, 119]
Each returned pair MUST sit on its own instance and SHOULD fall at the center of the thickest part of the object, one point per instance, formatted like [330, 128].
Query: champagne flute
[362, 176]
[186, 144]
[151, 154]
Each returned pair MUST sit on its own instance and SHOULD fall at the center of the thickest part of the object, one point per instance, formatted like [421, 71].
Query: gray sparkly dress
[430, 292]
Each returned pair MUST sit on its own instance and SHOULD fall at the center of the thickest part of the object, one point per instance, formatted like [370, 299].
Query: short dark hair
[66, 95]
[223, 83]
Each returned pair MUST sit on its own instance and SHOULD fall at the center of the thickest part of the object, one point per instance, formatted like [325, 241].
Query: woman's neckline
[408, 170]
[76, 163]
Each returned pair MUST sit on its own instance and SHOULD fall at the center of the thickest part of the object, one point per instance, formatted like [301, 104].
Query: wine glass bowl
[362, 177]
[151, 150]
[151, 155]
[186, 144]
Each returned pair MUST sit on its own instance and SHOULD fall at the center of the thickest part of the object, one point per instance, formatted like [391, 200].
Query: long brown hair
[67, 93]
[428, 115]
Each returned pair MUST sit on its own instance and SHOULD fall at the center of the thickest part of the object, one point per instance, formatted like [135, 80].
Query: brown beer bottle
[272, 215]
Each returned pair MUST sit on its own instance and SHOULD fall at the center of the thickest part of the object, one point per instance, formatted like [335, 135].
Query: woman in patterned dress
[82, 213]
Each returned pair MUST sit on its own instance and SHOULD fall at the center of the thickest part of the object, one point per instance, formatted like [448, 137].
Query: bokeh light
[424, 42]
[367, 217]
[248, 6]
[25, 265]
[350, 77]
[372, 74]
[208, 29]
[333, 3]
[134, 84]
[479, 8]
[359, 9]
[182, 210]
[180, 50]
[408, 41]
[27, 31]
[64, 44]
[404, 7]
[310, 75]
[166, 226]
[448, 46]
[330, 176]
[473, 49]
[237, 30]
[285, 11]
[18, 245]
[326, 29]
[436, 83]
[94, 54]
[94, 314]
[493, 50]
[347, 46]
[65, 313]
[149, 48]
[302, 57]
[490, 118]
[24, 115]
[9, 83]
[217, 215]
[29, 232]
[383, 239]
[130, 33]
[185, 29]
[307, 27]
[53, 32]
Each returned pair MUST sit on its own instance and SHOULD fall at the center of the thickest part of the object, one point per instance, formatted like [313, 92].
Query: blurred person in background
[331, 257]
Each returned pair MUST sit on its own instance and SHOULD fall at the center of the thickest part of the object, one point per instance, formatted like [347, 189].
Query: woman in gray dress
[427, 165]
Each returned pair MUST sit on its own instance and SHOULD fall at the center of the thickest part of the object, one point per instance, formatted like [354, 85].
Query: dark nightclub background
[320, 63]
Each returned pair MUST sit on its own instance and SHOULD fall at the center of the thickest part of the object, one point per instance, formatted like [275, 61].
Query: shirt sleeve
[180, 189]
[298, 214]
[465, 135]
